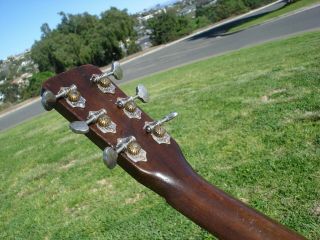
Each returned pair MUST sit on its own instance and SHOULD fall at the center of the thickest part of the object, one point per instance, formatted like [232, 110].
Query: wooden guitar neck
[96, 107]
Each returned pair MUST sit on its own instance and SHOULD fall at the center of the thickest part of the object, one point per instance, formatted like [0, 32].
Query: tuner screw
[134, 148]
[127, 145]
[158, 132]
[72, 95]
[104, 121]
[129, 106]
[104, 83]
[100, 117]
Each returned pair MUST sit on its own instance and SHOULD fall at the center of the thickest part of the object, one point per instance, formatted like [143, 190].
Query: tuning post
[158, 132]
[130, 108]
[127, 145]
[100, 118]
[71, 94]
[103, 81]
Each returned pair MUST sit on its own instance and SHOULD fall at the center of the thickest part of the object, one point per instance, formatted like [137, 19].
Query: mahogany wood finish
[166, 172]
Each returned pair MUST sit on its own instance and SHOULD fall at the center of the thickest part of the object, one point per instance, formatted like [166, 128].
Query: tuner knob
[110, 157]
[128, 145]
[103, 81]
[72, 95]
[156, 129]
[100, 117]
[129, 106]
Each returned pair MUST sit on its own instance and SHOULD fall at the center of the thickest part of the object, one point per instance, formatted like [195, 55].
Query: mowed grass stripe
[248, 122]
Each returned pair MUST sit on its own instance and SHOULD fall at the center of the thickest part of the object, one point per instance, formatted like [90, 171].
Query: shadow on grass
[223, 29]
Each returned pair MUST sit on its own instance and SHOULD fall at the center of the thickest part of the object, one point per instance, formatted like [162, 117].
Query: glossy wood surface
[166, 172]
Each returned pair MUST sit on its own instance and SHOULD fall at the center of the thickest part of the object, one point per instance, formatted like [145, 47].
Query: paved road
[215, 41]
[206, 44]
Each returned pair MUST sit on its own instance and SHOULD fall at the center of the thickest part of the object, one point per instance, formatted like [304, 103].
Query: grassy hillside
[249, 123]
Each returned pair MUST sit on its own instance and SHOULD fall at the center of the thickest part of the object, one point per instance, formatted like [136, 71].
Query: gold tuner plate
[73, 95]
[105, 82]
[159, 131]
[133, 148]
[104, 121]
[130, 106]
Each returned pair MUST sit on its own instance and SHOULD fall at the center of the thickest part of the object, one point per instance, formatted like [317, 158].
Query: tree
[168, 26]
[10, 91]
[120, 23]
[45, 29]
[35, 83]
[225, 8]
[84, 38]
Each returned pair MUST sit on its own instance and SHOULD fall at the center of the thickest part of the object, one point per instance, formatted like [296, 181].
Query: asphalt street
[212, 42]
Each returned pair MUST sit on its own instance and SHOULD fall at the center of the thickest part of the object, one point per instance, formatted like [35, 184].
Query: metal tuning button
[127, 145]
[130, 108]
[158, 132]
[71, 94]
[100, 118]
[103, 81]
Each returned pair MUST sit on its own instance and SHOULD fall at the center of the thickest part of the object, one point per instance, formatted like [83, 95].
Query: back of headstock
[96, 107]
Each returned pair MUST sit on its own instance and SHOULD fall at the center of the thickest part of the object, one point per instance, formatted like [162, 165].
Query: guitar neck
[210, 207]
[157, 161]
[222, 215]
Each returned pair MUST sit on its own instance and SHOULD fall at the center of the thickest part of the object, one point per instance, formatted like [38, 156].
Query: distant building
[188, 10]
[145, 18]
[23, 80]
[19, 56]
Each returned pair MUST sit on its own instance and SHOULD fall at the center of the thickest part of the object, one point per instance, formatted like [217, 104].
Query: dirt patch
[134, 199]
[268, 98]
[104, 183]
[264, 99]
[317, 210]
[309, 116]
[76, 210]
[68, 165]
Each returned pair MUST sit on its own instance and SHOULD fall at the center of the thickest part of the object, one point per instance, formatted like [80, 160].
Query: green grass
[286, 9]
[249, 123]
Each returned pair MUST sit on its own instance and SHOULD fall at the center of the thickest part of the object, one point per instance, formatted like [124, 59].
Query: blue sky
[20, 21]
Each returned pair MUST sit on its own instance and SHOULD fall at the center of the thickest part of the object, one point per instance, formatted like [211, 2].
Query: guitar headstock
[96, 107]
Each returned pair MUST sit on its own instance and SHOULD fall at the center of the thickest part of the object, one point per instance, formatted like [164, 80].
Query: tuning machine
[100, 118]
[130, 108]
[71, 94]
[127, 145]
[103, 81]
[158, 132]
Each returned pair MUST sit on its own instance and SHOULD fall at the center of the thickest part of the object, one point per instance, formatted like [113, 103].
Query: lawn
[249, 123]
[284, 10]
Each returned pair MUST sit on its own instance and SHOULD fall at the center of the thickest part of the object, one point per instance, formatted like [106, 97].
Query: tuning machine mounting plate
[73, 97]
[156, 129]
[100, 118]
[128, 104]
[103, 122]
[134, 151]
[103, 81]
[71, 94]
[128, 146]
[159, 134]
